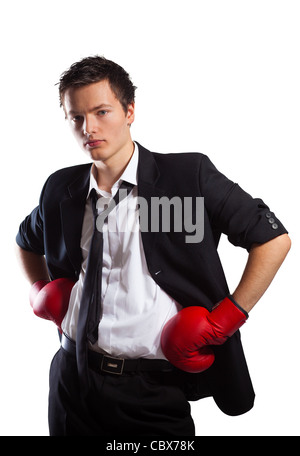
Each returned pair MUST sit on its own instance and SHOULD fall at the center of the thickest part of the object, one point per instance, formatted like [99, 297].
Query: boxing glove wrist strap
[228, 316]
[35, 289]
[238, 306]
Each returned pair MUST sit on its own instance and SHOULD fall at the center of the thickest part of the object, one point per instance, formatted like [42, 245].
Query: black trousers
[140, 403]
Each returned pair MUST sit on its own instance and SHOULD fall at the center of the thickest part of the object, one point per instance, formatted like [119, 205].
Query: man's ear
[130, 114]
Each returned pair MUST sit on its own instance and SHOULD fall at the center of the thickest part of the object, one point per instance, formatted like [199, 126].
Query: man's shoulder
[71, 172]
[177, 158]
[61, 180]
[178, 155]
[180, 163]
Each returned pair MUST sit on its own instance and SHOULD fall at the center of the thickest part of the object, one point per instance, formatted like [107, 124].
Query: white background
[218, 77]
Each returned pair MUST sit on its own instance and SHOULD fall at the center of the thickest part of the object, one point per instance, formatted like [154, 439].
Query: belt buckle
[112, 365]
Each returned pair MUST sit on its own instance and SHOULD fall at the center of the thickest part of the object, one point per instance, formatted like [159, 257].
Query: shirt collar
[129, 175]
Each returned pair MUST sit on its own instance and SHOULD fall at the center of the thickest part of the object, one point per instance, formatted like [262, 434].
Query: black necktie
[90, 304]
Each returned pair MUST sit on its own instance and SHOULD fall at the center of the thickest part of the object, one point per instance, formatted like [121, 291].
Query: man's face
[99, 122]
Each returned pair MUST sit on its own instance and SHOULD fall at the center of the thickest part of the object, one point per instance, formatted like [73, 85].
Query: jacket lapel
[72, 213]
[148, 176]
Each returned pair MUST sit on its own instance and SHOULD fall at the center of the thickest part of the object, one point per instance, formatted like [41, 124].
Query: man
[166, 327]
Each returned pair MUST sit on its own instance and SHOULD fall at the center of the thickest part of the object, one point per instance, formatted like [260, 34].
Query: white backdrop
[219, 77]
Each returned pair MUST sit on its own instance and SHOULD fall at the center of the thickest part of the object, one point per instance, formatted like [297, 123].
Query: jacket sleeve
[232, 211]
[31, 231]
[30, 234]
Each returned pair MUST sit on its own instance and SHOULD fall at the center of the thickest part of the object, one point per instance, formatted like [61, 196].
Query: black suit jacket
[191, 273]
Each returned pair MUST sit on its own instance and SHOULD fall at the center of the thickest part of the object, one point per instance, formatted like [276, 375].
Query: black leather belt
[117, 366]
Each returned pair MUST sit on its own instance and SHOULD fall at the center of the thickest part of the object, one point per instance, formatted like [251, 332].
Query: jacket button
[271, 220]
[274, 226]
[268, 214]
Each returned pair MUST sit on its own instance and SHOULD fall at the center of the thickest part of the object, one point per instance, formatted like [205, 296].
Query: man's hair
[95, 69]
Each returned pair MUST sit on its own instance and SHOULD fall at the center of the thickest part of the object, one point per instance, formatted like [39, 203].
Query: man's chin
[97, 154]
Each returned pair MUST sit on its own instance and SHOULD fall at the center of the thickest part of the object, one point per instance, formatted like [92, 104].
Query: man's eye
[77, 119]
[102, 113]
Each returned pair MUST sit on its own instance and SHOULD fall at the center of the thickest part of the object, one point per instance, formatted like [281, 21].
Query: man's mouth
[94, 143]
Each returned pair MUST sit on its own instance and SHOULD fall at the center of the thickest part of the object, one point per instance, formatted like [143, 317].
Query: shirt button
[274, 226]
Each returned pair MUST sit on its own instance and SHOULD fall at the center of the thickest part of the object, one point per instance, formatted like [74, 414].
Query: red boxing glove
[186, 337]
[50, 300]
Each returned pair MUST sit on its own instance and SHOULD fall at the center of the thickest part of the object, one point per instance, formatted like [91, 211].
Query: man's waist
[115, 365]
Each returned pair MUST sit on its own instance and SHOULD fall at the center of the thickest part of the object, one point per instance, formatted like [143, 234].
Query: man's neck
[108, 172]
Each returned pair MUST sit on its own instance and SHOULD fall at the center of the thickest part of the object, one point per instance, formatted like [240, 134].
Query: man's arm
[187, 337]
[32, 265]
[263, 263]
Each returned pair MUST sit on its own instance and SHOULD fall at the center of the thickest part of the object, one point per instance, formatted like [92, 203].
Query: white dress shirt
[134, 307]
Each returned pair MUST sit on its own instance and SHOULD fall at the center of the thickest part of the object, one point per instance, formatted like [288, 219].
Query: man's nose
[89, 126]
